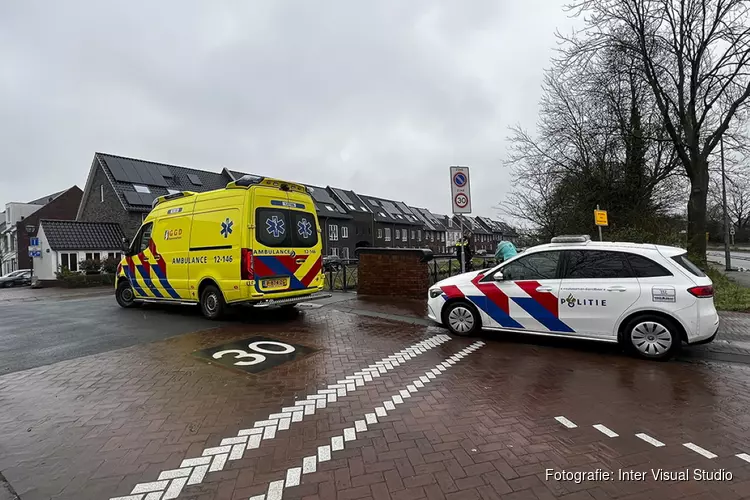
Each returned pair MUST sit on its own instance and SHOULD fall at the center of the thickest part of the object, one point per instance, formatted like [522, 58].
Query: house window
[419, 235]
[442, 236]
[141, 189]
[398, 234]
[335, 251]
[344, 232]
[388, 234]
[114, 255]
[413, 234]
[69, 261]
[101, 193]
[333, 232]
[380, 233]
[406, 235]
[345, 253]
[93, 256]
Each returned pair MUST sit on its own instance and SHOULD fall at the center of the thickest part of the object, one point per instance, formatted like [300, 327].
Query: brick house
[336, 224]
[481, 237]
[452, 232]
[121, 190]
[362, 217]
[434, 231]
[20, 217]
[392, 226]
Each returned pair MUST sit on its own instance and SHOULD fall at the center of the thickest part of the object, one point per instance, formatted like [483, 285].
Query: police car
[648, 298]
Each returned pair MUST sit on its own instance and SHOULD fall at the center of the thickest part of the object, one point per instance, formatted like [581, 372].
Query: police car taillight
[702, 291]
[246, 269]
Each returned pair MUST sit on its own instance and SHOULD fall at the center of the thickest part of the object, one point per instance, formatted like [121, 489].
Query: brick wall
[393, 272]
[64, 207]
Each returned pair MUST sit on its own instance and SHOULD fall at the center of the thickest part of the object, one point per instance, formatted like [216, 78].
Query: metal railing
[341, 274]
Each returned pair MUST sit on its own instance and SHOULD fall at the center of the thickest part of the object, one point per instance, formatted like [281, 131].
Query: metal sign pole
[462, 246]
[598, 226]
[727, 253]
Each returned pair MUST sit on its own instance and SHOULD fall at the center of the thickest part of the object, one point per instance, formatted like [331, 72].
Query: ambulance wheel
[124, 294]
[212, 302]
[462, 318]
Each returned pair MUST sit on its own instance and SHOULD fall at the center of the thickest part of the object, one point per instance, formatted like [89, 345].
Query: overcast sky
[377, 96]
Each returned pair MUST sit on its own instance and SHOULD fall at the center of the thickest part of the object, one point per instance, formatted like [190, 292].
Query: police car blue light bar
[582, 238]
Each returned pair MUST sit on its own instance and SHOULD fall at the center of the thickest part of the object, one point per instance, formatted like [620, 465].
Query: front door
[598, 288]
[527, 296]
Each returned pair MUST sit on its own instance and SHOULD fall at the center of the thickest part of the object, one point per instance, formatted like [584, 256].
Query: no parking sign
[460, 192]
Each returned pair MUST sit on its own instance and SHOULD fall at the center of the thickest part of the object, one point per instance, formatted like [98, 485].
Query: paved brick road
[389, 417]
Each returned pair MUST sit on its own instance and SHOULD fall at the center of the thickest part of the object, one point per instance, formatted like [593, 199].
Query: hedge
[87, 280]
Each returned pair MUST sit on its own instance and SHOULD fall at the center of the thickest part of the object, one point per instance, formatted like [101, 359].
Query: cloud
[381, 97]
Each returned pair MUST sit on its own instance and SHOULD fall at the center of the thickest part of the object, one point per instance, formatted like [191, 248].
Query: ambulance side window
[143, 238]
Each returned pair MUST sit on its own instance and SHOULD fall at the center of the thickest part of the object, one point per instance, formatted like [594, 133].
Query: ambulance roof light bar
[248, 180]
[582, 238]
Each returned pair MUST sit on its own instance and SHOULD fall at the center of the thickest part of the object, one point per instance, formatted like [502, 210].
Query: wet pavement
[344, 402]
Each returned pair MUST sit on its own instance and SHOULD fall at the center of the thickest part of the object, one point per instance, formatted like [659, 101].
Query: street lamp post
[727, 253]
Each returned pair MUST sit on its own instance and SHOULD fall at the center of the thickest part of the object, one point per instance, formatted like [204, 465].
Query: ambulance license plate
[275, 283]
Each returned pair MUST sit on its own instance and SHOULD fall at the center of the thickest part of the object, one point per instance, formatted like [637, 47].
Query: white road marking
[744, 456]
[324, 451]
[649, 440]
[699, 450]
[606, 430]
[293, 477]
[193, 470]
[567, 423]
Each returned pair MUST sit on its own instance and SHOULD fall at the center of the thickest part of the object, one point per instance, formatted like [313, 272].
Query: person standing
[505, 250]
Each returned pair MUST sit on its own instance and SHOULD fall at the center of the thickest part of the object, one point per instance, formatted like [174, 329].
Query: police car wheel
[124, 295]
[652, 337]
[212, 302]
[462, 319]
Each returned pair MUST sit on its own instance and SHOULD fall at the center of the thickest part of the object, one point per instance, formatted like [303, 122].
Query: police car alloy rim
[651, 339]
[461, 319]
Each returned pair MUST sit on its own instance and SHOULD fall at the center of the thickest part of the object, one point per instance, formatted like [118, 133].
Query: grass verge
[728, 294]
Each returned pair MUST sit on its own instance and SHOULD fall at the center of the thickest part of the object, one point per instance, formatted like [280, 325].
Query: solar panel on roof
[165, 172]
[133, 198]
[344, 197]
[147, 198]
[117, 172]
[195, 179]
[130, 171]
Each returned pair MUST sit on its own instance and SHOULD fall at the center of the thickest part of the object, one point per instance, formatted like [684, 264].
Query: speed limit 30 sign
[460, 191]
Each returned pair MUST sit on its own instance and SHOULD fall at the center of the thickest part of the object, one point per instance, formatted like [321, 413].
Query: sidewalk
[28, 294]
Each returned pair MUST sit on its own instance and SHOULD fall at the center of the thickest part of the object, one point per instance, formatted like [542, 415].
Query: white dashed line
[276, 488]
[193, 470]
[744, 456]
[606, 431]
[567, 423]
[649, 440]
[699, 450]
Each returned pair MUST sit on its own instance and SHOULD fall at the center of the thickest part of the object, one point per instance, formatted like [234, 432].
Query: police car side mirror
[498, 276]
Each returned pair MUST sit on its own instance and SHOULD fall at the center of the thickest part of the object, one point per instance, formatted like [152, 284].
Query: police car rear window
[276, 227]
[685, 263]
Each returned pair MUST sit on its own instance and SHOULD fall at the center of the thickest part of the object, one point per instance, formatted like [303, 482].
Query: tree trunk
[696, 212]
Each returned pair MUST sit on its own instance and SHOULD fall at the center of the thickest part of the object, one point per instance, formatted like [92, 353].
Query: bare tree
[694, 56]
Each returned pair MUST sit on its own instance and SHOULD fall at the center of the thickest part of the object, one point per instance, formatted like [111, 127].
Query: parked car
[21, 277]
[648, 298]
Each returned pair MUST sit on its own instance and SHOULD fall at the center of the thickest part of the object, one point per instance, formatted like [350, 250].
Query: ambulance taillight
[246, 269]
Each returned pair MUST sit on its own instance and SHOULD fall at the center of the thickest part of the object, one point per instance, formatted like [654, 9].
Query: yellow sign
[600, 217]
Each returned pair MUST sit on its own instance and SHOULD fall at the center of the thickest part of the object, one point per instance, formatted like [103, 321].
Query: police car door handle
[616, 289]
[544, 289]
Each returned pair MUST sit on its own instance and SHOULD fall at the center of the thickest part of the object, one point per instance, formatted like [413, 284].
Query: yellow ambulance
[254, 242]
